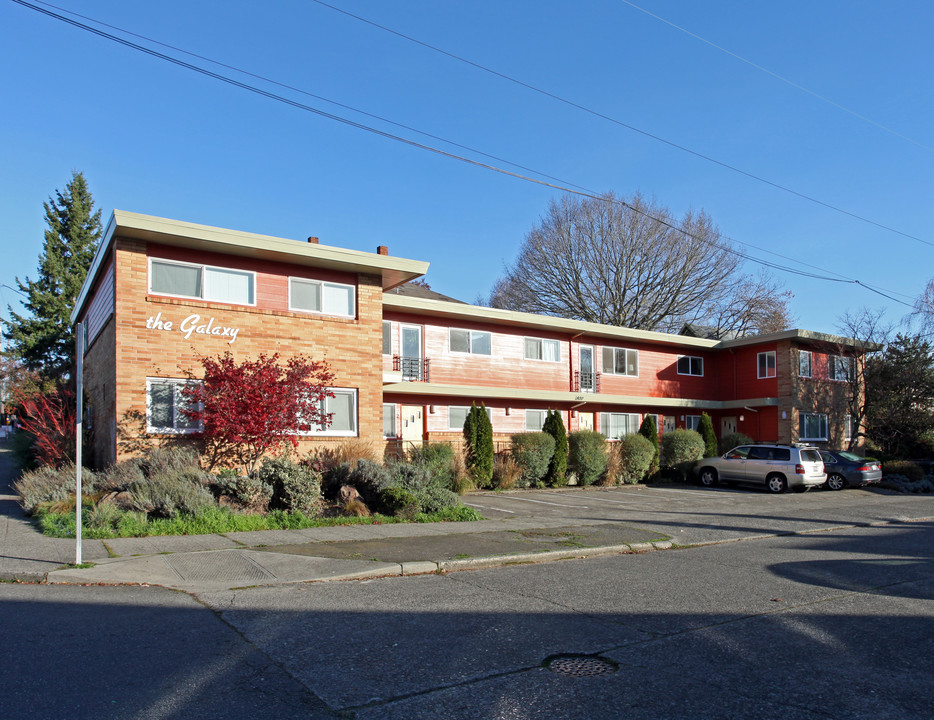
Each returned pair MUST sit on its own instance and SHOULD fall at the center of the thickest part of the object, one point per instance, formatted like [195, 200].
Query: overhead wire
[565, 187]
[781, 78]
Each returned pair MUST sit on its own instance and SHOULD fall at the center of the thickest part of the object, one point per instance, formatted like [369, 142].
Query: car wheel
[836, 482]
[708, 477]
[776, 483]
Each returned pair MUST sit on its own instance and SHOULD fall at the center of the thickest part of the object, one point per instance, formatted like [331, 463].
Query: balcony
[586, 382]
[412, 368]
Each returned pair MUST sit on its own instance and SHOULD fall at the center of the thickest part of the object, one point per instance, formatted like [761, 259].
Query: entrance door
[412, 425]
[584, 421]
[587, 377]
[727, 426]
[669, 423]
[411, 360]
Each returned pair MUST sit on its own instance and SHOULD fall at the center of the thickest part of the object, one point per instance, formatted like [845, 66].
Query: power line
[645, 133]
[782, 78]
[412, 143]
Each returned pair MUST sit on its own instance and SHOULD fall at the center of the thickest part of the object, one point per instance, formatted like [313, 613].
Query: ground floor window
[692, 422]
[165, 401]
[535, 419]
[849, 427]
[389, 420]
[812, 426]
[342, 409]
[457, 416]
[615, 425]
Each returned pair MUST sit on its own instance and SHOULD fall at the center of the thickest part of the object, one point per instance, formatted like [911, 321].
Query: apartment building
[409, 362]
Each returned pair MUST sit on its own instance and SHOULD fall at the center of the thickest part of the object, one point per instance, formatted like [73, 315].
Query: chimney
[382, 249]
[312, 239]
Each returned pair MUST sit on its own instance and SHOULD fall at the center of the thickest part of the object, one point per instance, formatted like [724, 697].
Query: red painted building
[409, 362]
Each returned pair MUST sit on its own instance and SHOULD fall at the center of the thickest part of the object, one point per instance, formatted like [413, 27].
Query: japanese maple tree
[251, 407]
[50, 419]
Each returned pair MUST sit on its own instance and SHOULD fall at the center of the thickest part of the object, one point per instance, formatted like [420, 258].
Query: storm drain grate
[580, 665]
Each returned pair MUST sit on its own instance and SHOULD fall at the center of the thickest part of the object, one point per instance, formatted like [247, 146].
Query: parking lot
[693, 515]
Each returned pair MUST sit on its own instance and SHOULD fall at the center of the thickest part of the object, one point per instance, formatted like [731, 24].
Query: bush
[506, 473]
[438, 499]
[532, 452]
[732, 440]
[348, 452]
[709, 436]
[440, 460]
[50, 484]
[910, 470]
[295, 488]
[635, 458]
[478, 446]
[681, 449]
[587, 457]
[904, 484]
[400, 502]
[248, 490]
[557, 474]
[169, 493]
[649, 430]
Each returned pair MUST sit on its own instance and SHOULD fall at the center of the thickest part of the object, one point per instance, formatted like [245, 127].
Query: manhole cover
[580, 665]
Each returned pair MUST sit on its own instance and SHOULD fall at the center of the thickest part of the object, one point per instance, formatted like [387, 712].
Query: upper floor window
[165, 402]
[387, 337]
[167, 277]
[842, 367]
[805, 361]
[317, 296]
[475, 342]
[689, 365]
[620, 361]
[537, 349]
[767, 364]
[812, 426]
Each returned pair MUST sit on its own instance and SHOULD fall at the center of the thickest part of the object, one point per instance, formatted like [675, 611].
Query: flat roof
[392, 270]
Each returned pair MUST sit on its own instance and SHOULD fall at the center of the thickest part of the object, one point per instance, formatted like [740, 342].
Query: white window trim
[849, 423]
[544, 414]
[690, 374]
[395, 423]
[759, 374]
[176, 382]
[541, 342]
[316, 431]
[322, 284]
[385, 323]
[826, 425]
[202, 266]
[810, 363]
[612, 371]
[637, 423]
[470, 350]
[489, 413]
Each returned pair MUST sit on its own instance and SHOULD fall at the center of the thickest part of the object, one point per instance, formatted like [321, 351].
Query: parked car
[844, 469]
[778, 467]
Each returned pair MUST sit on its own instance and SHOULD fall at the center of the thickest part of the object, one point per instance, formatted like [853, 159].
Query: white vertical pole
[79, 383]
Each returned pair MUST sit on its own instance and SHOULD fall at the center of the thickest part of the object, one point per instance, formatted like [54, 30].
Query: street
[830, 624]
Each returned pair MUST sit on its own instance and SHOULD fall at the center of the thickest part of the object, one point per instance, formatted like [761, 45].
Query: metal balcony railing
[413, 368]
[586, 382]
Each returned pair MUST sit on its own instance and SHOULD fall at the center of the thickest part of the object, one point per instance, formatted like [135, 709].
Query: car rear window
[810, 456]
[850, 456]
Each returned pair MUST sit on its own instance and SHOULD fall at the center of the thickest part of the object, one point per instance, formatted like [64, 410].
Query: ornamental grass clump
[532, 452]
[506, 472]
[587, 457]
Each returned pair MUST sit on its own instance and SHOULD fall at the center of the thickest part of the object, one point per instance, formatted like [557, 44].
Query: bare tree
[922, 317]
[632, 264]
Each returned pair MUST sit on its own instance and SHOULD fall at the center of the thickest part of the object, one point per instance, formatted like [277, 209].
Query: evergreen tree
[649, 430]
[710, 437]
[478, 439]
[45, 339]
[558, 467]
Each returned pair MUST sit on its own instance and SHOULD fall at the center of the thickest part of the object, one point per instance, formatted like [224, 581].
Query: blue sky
[154, 138]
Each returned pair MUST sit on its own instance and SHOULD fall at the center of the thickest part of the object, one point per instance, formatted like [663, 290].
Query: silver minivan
[778, 467]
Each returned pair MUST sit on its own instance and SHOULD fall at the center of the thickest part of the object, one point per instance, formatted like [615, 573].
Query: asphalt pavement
[520, 527]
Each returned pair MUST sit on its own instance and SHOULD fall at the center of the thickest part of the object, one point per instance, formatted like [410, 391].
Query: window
[201, 281]
[536, 349]
[387, 337]
[164, 404]
[842, 368]
[389, 420]
[620, 361]
[692, 422]
[342, 409]
[689, 365]
[849, 427]
[327, 298]
[767, 364]
[804, 363]
[535, 419]
[812, 426]
[457, 416]
[475, 342]
[615, 425]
